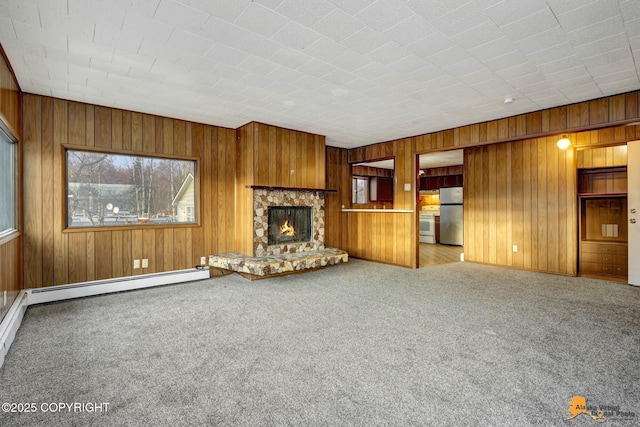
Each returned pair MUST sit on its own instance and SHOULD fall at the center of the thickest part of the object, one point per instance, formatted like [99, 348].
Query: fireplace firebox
[289, 224]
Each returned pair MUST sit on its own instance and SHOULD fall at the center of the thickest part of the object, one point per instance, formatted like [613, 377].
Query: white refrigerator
[451, 216]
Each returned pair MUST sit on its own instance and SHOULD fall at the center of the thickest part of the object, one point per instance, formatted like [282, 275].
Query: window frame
[354, 179]
[362, 170]
[190, 212]
[14, 142]
[196, 179]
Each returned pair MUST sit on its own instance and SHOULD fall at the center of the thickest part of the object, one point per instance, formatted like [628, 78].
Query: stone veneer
[263, 198]
[274, 265]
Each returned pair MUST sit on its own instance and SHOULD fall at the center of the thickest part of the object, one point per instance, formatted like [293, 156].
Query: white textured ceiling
[430, 160]
[444, 158]
[357, 71]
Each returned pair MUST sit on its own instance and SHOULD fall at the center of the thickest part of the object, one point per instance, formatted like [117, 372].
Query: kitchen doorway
[440, 207]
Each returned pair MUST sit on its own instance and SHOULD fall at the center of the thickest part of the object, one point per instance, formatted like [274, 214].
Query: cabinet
[609, 259]
[437, 217]
[603, 222]
[442, 177]
[437, 182]
[381, 189]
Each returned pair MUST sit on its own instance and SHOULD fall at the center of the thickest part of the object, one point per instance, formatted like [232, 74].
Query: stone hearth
[277, 265]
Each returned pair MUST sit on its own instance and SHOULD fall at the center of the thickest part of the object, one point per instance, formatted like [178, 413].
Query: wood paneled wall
[259, 154]
[53, 256]
[376, 236]
[273, 156]
[10, 271]
[511, 205]
[10, 247]
[521, 193]
[338, 174]
[371, 171]
[602, 157]
[10, 98]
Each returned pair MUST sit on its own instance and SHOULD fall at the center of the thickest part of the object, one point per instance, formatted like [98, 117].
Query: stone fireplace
[287, 221]
[288, 235]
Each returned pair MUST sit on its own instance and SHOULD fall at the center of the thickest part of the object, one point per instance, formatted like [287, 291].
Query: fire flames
[287, 228]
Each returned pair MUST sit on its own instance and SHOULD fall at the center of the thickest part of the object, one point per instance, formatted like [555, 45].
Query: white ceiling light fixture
[564, 142]
[508, 100]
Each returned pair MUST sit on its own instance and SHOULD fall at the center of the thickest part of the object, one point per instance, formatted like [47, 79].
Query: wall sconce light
[564, 143]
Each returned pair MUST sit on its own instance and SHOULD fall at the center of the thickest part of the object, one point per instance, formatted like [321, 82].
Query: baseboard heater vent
[99, 287]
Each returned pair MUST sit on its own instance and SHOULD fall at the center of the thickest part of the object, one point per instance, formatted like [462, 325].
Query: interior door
[633, 197]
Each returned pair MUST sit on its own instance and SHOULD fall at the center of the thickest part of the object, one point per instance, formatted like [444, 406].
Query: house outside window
[184, 201]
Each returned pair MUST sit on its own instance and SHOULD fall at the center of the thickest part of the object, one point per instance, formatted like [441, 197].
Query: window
[359, 193]
[105, 190]
[372, 183]
[8, 182]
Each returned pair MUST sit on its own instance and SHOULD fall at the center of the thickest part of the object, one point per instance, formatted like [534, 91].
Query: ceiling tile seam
[326, 37]
[572, 45]
[15, 33]
[154, 11]
[555, 16]
[39, 18]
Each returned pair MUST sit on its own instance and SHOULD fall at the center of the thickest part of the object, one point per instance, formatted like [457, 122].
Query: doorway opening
[440, 207]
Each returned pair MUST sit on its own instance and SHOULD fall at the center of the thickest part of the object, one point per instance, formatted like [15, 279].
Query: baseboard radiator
[11, 322]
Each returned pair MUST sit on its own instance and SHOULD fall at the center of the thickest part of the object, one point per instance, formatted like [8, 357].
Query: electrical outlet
[203, 260]
[515, 248]
[145, 263]
[136, 263]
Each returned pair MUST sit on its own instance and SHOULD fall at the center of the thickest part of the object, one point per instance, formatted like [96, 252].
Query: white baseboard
[86, 289]
[11, 322]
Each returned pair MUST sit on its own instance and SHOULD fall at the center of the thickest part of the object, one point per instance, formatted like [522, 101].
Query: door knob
[632, 220]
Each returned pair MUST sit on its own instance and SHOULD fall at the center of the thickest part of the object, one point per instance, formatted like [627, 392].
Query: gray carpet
[354, 344]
